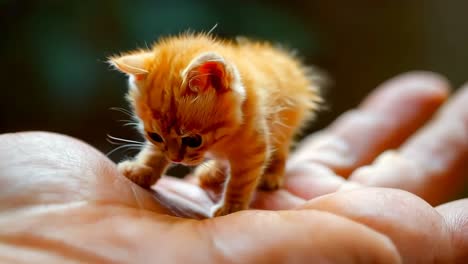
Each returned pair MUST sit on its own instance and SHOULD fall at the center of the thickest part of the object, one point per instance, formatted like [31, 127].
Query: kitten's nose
[176, 157]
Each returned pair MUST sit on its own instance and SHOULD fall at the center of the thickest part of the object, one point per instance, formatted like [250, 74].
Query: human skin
[62, 201]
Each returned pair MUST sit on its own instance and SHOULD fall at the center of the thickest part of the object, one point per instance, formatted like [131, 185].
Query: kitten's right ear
[132, 64]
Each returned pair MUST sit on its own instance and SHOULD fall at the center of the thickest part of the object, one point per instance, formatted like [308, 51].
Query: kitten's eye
[192, 141]
[155, 137]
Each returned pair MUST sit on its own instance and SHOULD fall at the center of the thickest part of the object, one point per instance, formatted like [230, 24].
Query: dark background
[54, 76]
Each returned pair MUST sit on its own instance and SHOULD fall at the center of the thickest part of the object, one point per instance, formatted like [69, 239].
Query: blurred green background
[54, 76]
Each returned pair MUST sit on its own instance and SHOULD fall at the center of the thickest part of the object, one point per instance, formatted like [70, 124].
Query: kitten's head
[186, 101]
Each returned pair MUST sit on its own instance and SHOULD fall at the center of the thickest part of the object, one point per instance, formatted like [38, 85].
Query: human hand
[63, 200]
[328, 172]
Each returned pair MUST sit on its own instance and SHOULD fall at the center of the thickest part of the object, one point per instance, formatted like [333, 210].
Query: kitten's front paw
[227, 208]
[138, 173]
[210, 177]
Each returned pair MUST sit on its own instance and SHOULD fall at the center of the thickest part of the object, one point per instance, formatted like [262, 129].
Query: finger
[185, 190]
[432, 164]
[384, 120]
[180, 206]
[38, 168]
[309, 180]
[455, 215]
[418, 231]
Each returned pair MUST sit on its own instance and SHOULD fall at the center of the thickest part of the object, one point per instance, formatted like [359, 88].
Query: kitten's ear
[132, 64]
[210, 70]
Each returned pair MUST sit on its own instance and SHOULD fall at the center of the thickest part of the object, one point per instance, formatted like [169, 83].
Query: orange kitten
[238, 103]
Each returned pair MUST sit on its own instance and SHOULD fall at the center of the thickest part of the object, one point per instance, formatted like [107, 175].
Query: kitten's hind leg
[273, 176]
[282, 134]
[146, 168]
[211, 176]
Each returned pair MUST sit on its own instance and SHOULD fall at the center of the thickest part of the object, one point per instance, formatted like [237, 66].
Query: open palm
[63, 201]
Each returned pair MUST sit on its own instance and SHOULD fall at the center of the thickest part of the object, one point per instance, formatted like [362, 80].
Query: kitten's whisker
[136, 149]
[125, 140]
[122, 110]
[212, 29]
[128, 146]
[126, 120]
[116, 142]
[123, 143]
[133, 124]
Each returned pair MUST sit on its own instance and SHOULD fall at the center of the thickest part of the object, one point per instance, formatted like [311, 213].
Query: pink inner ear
[212, 74]
[211, 67]
[208, 75]
[139, 77]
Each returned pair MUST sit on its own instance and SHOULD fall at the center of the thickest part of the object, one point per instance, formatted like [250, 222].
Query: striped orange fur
[239, 103]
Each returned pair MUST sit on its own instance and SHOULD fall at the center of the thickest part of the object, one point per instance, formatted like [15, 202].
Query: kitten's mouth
[187, 162]
[177, 161]
[191, 162]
